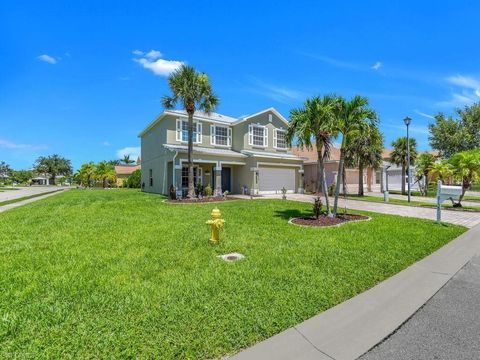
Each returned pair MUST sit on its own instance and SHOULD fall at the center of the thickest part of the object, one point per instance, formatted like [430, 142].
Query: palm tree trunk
[339, 177]
[191, 187]
[360, 180]
[320, 169]
[403, 179]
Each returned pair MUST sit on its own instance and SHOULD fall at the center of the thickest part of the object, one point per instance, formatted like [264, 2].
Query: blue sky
[80, 78]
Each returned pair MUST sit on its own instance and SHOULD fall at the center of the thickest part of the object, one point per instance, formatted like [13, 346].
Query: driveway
[447, 327]
[26, 191]
[465, 218]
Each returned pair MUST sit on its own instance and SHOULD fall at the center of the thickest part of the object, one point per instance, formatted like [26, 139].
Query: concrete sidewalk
[353, 327]
[420, 199]
[28, 201]
[25, 191]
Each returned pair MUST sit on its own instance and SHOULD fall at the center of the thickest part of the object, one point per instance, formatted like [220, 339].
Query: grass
[120, 274]
[446, 205]
[12, 201]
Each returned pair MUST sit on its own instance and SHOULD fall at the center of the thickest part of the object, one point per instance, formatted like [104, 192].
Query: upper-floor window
[182, 131]
[257, 135]
[279, 141]
[220, 135]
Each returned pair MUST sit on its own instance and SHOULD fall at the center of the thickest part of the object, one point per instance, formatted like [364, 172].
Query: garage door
[272, 180]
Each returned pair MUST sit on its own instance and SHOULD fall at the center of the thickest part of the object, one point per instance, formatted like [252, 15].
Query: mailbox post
[445, 192]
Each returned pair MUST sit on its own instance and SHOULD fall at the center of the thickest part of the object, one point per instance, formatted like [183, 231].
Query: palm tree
[423, 167]
[194, 91]
[466, 168]
[399, 156]
[351, 119]
[363, 151]
[105, 172]
[442, 169]
[86, 173]
[126, 160]
[313, 122]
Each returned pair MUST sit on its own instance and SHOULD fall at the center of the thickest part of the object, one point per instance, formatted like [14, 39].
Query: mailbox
[446, 192]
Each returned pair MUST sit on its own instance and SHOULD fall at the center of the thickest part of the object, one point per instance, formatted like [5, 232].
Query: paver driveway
[465, 218]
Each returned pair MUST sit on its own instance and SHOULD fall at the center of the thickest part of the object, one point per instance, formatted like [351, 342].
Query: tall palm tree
[364, 151]
[194, 91]
[314, 122]
[399, 156]
[351, 119]
[466, 168]
[423, 167]
[126, 160]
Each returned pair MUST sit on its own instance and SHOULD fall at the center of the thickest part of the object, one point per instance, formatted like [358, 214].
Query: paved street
[26, 191]
[464, 218]
[447, 327]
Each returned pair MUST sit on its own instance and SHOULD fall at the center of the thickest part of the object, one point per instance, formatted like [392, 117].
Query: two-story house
[238, 155]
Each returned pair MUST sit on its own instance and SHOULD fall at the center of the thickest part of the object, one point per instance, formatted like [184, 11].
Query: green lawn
[445, 205]
[120, 274]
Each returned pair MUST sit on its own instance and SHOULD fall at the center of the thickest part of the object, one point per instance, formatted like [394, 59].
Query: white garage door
[272, 180]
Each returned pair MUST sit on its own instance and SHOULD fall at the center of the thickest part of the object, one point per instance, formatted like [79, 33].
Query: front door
[226, 179]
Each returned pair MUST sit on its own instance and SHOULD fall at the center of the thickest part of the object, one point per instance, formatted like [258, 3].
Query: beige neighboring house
[372, 178]
[246, 155]
[123, 171]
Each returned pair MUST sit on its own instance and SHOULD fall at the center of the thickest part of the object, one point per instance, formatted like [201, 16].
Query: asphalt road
[447, 327]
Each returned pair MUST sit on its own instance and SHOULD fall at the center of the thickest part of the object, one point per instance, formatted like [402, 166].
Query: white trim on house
[262, 154]
[273, 110]
[205, 150]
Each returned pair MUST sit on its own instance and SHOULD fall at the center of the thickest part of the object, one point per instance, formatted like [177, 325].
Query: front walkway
[465, 218]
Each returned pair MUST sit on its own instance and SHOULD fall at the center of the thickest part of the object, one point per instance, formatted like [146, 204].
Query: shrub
[331, 189]
[317, 207]
[208, 190]
[134, 180]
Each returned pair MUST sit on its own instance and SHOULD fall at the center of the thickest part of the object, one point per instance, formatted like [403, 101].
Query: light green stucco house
[245, 155]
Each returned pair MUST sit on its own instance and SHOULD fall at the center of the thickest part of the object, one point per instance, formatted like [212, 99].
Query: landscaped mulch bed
[324, 220]
[202, 200]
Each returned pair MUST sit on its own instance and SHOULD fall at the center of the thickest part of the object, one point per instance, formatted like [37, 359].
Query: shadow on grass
[291, 213]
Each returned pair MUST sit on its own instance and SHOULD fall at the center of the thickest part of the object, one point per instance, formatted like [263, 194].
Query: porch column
[218, 180]
[177, 176]
[254, 188]
[301, 179]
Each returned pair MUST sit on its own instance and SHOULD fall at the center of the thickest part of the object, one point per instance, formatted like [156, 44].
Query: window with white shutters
[221, 135]
[182, 131]
[258, 135]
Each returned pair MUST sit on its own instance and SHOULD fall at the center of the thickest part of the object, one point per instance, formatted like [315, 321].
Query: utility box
[446, 192]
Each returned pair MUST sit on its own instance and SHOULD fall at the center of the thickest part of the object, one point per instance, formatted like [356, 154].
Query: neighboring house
[371, 177]
[240, 155]
[46, 179]
[123, 171]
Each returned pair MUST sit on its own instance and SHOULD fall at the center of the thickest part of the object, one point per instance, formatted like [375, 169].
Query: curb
[350, 329]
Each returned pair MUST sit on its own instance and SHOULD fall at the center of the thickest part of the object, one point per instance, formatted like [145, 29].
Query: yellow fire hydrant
[215, 223]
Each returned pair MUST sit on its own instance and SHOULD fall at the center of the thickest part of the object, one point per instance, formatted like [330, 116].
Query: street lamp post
[407, 122]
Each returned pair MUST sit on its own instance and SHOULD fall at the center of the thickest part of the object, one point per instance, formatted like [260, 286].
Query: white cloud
[469, 93]
[47, 58]
[106, 143]
[418, 112]
[377, 65]
[278, 93]
[153, 54]
[17, 146]
[133, 151]
[152, 61]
